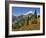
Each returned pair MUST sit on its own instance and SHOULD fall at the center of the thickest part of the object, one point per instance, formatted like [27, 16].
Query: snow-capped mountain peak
[29, 12]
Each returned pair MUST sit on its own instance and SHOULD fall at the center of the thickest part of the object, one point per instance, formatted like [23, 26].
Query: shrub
[34, 21]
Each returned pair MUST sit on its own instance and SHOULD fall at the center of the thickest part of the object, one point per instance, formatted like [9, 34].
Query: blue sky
[22, 10]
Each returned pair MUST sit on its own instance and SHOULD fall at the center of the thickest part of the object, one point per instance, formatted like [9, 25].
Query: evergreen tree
[28, 20]
[35, 15]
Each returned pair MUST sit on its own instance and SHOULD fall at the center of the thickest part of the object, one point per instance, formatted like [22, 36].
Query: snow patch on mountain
[29, 12]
